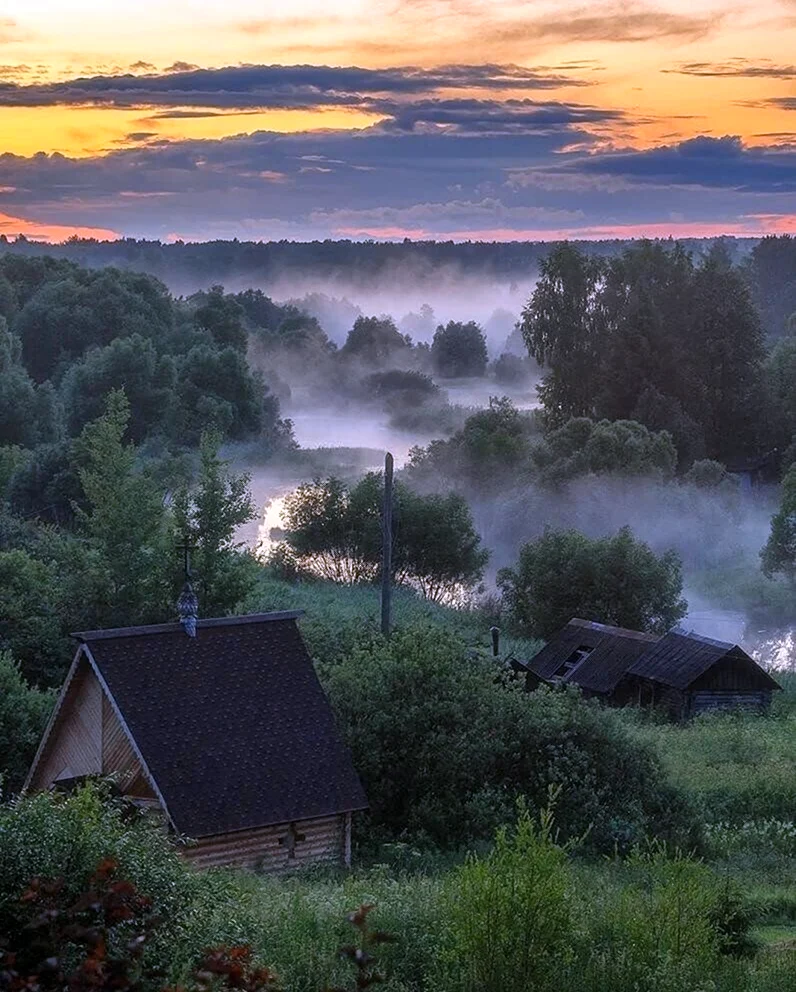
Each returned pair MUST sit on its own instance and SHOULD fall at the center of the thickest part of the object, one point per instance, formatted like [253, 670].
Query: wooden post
[386, 555]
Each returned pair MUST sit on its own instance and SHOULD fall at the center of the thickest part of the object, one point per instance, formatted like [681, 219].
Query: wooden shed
[682, 672]
[687, 674]
[227, 733]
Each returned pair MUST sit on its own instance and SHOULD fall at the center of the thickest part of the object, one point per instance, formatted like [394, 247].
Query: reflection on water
[773, 647]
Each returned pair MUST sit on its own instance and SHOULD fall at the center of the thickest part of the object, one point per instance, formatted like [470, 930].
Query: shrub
[445, 743]
[23, 714]
[615, 580]
[509, 916]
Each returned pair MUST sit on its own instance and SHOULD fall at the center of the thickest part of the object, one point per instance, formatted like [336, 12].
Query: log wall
[326, 841]
[701, 702]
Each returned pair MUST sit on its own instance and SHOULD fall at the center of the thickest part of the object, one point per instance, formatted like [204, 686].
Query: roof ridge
[703, 638]
[609, 629]
[168, 628]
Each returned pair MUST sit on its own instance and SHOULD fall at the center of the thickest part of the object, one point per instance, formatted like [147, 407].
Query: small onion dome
[188, 609]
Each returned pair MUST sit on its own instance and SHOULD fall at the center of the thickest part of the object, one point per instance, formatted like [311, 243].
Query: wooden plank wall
[326, 841]
[75, 745]
[699, 702]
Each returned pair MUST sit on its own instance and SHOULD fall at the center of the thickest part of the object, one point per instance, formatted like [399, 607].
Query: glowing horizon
[398, 118]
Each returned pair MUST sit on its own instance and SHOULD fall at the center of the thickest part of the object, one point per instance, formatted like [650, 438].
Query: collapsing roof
[592, 655]
[232, 727]
[598, 657]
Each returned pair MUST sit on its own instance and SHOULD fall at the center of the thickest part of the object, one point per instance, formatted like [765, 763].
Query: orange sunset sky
[392, 118]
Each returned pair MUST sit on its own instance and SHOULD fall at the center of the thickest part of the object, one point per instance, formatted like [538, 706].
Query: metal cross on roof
[186, 547]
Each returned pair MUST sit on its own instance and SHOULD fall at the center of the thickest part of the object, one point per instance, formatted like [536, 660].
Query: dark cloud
[703, 162]
[181, 67]
[762, 69]
[491, 116]
[141, 66]
[442, 181]
[782, 102]
[275, 86]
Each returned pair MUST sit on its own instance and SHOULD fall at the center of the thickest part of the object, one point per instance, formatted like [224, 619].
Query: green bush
[508, 915]
[55, 836]
[445, 743]
[24, 711]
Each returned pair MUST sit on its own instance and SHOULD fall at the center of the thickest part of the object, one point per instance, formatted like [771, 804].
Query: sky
[385, 119]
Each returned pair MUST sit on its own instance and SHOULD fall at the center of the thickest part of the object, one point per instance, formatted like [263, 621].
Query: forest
[620, 447]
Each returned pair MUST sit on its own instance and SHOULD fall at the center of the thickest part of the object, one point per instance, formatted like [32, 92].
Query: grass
[740, 767]
[339, 617]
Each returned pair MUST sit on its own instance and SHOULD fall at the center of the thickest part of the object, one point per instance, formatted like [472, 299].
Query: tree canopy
[459, 350]
[650, 335]
[335, 531]
[614, 580]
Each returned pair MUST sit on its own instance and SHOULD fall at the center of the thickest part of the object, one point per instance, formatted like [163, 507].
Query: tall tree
[615, 580]
[563, 326]
[124, 524]
[728, 353]
[778, 557]
[459, 350]
[208, 516]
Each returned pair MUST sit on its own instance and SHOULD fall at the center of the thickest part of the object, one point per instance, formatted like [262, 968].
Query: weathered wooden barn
[681, 672]
[223, 728]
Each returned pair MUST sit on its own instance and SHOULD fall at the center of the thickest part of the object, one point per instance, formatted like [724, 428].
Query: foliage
[217, 390]
[779, 553]
[510, 369]
[444, 745]
[771, 271]
[563, 326]
[650, 335]
[510, 914]
[124, 525]
[221, 316]
[66, 317]
[708, 474]
[459, 350]
[24, 710]
[491, 447]
[207, 517]
[624, 447]
[615, 580]
[374, 340]
[46, 485]
[335, 532]
[106, 904]
[30, 621]
[131, 364]
[27, 412]
[412, 399]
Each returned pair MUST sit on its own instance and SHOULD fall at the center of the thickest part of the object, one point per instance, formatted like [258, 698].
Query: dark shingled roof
[679, 658]
[233, 724]
[614, 649]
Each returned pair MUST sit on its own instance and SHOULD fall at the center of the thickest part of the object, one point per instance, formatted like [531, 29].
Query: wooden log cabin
[681, 672]
[220, 725]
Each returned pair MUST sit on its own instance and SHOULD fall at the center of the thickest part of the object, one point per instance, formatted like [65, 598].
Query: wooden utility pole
[386, 553]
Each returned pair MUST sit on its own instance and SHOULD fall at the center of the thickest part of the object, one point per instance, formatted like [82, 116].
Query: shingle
[233, 724]
[613, 651]
[679, 658]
